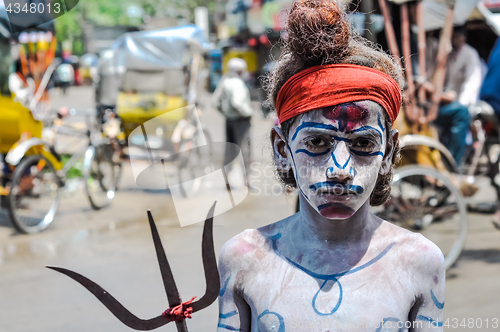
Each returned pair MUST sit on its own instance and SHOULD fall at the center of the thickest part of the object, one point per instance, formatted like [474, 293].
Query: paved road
[113, 247]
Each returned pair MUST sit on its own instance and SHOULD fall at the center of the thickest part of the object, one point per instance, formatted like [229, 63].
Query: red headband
[330, 85]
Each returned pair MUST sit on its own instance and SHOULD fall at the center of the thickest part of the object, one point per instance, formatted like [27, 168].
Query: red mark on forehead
[347, 115]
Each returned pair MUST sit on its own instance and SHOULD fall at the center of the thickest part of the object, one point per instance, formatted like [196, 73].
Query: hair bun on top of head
[319, 31]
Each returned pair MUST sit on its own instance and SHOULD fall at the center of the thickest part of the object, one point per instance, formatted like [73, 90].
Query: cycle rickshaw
[32, 171]
[149, 81]
[429, 187]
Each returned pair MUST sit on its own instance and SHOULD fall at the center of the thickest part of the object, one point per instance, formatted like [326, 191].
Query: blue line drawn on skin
[365, 128]
[338, 302]
[336, 162]
[229, 314]
[352, 173]
[223, 289]
[389, 319]
[336, 138]
[294, 175]
[280, 319]
[435, 323]
[312, 154]
[327, 277]
[367, 154]
[380, 123]
[228, 327]
[438, 304]
[335, 184]
[313, 125]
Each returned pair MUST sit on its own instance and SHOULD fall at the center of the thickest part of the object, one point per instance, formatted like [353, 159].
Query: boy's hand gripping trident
[177, 311]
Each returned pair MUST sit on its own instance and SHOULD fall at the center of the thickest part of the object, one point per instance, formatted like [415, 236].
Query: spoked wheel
[425, 201]
[100, 175]
[34, 194]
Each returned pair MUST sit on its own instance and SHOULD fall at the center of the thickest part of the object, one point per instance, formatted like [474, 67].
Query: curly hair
[318, 33]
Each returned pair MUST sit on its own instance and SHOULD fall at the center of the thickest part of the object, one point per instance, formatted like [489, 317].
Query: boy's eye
[363, 143]
[316, 142]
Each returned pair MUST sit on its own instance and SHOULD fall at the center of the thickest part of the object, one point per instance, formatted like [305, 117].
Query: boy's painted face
[336, 154]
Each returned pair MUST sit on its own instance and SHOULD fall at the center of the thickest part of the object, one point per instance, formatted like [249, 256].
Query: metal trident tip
[132, 321]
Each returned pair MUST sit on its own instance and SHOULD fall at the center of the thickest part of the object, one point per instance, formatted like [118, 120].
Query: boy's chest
[286, 298]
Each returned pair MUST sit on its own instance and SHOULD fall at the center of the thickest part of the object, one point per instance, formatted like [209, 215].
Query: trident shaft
[174, 299]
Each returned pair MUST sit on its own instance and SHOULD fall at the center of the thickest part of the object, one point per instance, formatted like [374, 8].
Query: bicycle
[35, 183]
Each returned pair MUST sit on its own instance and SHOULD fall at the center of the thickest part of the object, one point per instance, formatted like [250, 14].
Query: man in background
[232, 99]
[461, 90]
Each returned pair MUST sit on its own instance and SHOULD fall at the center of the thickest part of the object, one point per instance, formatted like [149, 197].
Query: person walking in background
[232, 99]
[66, 75]
[461, 90]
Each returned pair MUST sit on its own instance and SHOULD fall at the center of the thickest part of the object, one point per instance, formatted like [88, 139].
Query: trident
[177, 311]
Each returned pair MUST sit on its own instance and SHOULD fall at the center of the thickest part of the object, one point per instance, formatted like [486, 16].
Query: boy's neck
[313, 227]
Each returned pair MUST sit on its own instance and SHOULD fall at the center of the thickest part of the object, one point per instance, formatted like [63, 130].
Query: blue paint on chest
[389, 320]
[281, 322]
[326, 277]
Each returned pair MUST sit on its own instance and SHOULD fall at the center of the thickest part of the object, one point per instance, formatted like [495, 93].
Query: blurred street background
[112, 246]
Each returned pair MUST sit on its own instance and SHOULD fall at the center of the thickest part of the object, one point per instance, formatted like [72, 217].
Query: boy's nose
[341, 163]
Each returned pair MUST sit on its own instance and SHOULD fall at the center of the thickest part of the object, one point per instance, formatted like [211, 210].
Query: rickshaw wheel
[426, 201]
[34, 194]
[101, 175]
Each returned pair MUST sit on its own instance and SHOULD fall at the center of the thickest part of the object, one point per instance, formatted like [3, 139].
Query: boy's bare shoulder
[416, 252]
[247, 246]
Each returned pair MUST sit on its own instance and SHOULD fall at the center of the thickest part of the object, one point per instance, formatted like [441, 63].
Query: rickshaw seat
[15, 119]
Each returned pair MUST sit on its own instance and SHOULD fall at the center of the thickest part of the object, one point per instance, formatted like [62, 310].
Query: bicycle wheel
[34, 194]
[99, 175]
[425, 201]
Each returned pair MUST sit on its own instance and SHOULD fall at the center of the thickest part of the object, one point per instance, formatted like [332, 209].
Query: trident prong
[132, 321]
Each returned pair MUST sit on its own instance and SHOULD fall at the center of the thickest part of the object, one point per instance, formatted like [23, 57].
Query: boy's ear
[389, 152]
[280, 150]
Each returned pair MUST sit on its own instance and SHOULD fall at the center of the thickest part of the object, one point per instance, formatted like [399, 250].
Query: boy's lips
[335, 210]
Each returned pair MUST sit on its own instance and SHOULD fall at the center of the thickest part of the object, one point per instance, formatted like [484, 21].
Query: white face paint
[336, 154]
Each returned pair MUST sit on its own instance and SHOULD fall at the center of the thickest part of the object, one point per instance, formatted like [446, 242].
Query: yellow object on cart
[249, 56]
[15, 119]
[134, 109]
[422, 155]
[17, 124]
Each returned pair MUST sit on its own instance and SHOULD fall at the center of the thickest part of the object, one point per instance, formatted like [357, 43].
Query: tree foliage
[114, 12]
